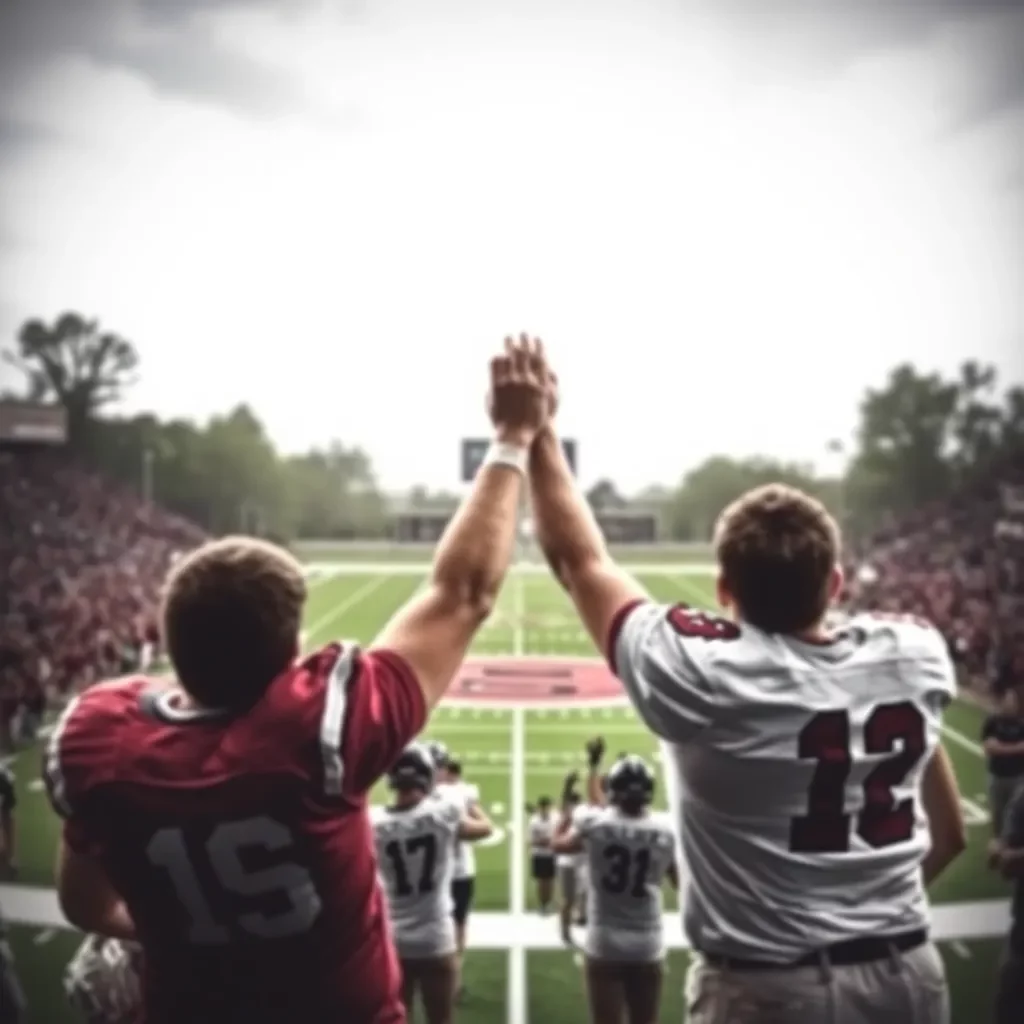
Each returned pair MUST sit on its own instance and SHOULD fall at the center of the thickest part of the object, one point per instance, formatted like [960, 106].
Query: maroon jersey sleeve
[373, 708]
[80, 756]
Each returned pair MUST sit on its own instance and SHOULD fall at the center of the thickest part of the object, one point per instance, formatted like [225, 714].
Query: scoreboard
[475, 448]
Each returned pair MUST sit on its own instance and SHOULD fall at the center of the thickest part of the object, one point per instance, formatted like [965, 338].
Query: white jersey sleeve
[584, 818]
[658, 652]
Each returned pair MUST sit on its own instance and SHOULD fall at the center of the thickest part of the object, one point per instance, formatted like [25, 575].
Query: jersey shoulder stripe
[332, 722]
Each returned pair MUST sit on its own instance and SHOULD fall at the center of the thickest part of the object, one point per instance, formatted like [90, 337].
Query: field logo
[535, 681]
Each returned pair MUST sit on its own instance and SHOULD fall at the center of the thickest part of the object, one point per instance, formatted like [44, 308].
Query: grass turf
[518, 755]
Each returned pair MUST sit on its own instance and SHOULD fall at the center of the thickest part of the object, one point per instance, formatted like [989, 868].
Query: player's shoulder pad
[887, 635]
[81, 748]
[895, 634]
[585, 816]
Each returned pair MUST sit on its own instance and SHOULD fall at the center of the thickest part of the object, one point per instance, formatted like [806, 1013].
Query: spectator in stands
[1010, 986]
[1002, 737]
[84, 561]
[959, 564]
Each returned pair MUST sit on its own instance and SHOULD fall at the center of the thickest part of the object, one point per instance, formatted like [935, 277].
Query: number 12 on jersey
[896, 729]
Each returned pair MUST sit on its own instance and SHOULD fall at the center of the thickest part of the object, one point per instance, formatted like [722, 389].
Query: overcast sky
[727, 219]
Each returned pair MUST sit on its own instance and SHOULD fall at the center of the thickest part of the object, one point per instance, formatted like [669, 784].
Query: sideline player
[813, 798]
[222, 817]
[571, 866]
[630, 851]
[540, 830]
[452, 787]
[416, 849]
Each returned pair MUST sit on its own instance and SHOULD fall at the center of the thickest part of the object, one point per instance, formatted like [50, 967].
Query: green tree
[922, 436]
[605, 497]
[904, 441]
[77, 364]
[708, 488]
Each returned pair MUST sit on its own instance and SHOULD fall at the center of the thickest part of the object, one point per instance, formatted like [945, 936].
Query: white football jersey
[540, 831]
[793, 771]
[464, 795]
[415, 858]
[576, 861]
[627, 860]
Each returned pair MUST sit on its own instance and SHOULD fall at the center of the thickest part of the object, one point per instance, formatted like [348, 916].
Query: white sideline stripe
[343, 606]
[951, 922]
[332, 722]
[962, 741]
[517, 995]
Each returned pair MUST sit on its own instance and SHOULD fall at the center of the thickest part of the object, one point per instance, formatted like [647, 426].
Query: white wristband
[501, 453]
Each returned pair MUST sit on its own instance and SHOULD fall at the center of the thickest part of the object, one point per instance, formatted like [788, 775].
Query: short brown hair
[231, 618]
[777, 548]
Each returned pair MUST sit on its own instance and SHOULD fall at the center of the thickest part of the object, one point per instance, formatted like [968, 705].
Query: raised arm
[433, 631]
[572, 542]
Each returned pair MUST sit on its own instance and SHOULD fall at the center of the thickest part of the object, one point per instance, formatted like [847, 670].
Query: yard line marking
[343, 606]
[962, 741]
[517, 873]
[960, 949]
[43, 937]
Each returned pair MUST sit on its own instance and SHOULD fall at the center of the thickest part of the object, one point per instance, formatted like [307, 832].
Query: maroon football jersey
[242, 845]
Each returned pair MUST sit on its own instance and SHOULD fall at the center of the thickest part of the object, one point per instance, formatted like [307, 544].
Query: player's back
[242, 847]
[798, 796]
[416, 857]
[627, 858]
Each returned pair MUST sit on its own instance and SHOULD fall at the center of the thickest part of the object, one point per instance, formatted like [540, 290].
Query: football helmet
[102, 981]
[439, 754]
[414, 769]
[630, 780]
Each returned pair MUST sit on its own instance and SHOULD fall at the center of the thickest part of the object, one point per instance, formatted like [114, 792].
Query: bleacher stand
[82, 562]
[959, 564]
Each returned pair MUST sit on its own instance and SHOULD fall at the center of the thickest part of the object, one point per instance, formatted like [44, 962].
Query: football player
[569, 865]
[220, 818]
[630, 852]
[452, 787]
[540, 830]
[812, 795]
[416, 850]
[102, 981]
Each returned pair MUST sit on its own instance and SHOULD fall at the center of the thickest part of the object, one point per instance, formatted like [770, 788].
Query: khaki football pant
[907, 988]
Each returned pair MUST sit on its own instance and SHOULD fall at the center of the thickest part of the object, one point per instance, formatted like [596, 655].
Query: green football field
[516, 970]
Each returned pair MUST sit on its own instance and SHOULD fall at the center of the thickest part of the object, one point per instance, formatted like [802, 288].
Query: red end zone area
[533, 681]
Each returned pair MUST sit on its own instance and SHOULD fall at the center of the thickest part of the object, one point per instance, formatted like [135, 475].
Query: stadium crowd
[83, 562]
[959, 564]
